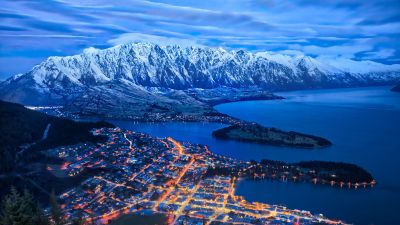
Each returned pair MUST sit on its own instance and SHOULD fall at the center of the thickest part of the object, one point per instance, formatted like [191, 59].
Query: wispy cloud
[356, 29]
[380, 54]
[162, 40]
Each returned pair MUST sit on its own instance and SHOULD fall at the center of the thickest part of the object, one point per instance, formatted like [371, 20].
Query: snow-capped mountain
[147, 69]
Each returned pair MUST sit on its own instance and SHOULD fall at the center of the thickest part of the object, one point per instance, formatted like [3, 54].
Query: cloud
[333, 28]
[45, 36]
[346, 50]
[10, 28]
[291, 52]
[162, 40]
[381, 54]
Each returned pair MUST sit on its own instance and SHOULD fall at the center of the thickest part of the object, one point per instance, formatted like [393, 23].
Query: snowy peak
[147, 65]
[152, 65]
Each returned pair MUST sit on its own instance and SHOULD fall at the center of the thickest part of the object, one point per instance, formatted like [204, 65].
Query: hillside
[22, 132]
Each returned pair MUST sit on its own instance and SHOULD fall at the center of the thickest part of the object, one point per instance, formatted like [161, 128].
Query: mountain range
[141, 78]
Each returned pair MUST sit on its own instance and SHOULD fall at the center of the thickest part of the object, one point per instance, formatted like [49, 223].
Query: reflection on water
[362, 123]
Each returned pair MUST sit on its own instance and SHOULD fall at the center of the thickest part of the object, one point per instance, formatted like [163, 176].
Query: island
[253, 132]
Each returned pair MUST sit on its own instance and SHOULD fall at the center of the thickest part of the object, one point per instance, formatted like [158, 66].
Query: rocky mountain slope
[143, 77]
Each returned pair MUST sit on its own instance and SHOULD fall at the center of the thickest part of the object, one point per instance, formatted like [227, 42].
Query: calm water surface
[362, 123]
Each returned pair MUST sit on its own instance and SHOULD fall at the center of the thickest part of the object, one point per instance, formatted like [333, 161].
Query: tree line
[20, 126]
[21, 209]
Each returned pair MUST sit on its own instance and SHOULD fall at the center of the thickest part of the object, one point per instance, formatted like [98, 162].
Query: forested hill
[22, 128]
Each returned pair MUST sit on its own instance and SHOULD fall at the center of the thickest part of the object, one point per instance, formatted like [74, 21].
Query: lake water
[362, 123]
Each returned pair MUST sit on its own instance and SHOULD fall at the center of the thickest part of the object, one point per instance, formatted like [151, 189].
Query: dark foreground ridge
[252, 132]
[25, 133]
[22, 128]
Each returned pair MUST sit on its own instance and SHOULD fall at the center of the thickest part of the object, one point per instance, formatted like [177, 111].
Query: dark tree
[78, 221]
[17, 209]
[57, 215]
[41, 218]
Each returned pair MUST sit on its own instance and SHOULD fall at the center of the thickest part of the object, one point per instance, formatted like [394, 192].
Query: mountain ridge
[155, 72]
[147, 64]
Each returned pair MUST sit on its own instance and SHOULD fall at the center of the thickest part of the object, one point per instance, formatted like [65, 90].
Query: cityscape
[188, 182]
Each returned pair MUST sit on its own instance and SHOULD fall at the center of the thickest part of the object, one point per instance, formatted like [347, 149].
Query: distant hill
[23, 130]
[396, 88]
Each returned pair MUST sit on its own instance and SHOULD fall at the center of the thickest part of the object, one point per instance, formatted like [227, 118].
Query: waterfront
[362, 123]
[364, 126]
[186, 181]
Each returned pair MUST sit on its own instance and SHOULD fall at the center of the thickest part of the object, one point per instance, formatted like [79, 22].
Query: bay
[362, 123]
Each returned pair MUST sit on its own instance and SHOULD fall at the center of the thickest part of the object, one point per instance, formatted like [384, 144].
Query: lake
[363, 125]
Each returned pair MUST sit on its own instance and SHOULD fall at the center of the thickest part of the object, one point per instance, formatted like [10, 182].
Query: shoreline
[256, 133]
[220, 118]
[289, 178]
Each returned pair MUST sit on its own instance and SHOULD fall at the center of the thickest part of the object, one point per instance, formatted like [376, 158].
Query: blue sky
[32, 30]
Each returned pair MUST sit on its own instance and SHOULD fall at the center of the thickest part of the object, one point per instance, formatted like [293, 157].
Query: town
[210, 117]
[134, 171]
